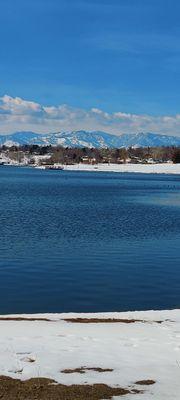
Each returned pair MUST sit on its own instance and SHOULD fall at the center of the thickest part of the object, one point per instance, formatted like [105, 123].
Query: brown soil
[47, 389]
[83, 370]
[145, 382]
[106, 320]
[24, 319]
[82, 320]
[28, 359]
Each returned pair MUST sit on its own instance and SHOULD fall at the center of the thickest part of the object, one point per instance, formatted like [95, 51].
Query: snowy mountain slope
[148, 140]
[96, 139]
[66, 139]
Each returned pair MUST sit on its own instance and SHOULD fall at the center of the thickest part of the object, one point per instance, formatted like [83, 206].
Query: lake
[88, 241]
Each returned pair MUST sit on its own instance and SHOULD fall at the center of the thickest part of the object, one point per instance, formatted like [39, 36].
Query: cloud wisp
[137, 43]
[17, 114]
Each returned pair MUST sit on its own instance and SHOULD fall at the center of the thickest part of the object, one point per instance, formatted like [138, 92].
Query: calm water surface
[79, 241]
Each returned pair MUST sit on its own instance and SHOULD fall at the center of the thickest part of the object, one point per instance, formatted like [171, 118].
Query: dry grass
[145, 382]
[47, 389]
[24, 319]
[83, 370]
[82, 320]
[107, 320]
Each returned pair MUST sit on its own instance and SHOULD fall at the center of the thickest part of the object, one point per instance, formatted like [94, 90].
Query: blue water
[79, 241]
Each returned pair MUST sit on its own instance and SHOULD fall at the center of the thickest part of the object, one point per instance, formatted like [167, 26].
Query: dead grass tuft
[145, 382]
[83, 370]
[46, 389]
[107, 321]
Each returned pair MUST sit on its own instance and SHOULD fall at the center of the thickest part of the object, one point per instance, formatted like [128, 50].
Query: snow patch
[134, 352]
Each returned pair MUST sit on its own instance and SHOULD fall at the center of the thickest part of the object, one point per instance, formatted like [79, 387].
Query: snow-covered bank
[141, 350]
[163, 168]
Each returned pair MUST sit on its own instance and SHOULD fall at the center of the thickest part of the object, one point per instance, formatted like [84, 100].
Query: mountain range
[95, 139]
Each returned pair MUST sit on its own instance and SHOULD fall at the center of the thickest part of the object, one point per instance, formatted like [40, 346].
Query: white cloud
[19, 114]
[19, 106]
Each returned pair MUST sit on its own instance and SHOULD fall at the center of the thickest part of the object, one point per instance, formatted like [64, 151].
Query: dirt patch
[46, 389]
[145, 382]
[107, 320]
[83, 370]
[24, 319]
[28, 359]
[83, 320]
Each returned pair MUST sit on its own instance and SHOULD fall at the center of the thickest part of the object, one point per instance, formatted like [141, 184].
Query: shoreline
[129, 351]
[161, 168]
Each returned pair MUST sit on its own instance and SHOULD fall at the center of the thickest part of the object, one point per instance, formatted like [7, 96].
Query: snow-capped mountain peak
[91, 139]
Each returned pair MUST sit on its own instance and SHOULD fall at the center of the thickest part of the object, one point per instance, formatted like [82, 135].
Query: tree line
[67, 155]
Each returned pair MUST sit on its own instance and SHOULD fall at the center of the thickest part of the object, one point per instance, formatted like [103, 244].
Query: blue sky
[117, 56]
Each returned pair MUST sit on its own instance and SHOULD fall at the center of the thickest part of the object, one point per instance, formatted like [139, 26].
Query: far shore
[161, 168]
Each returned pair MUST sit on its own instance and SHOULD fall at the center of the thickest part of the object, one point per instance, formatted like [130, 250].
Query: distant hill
[96, 139]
